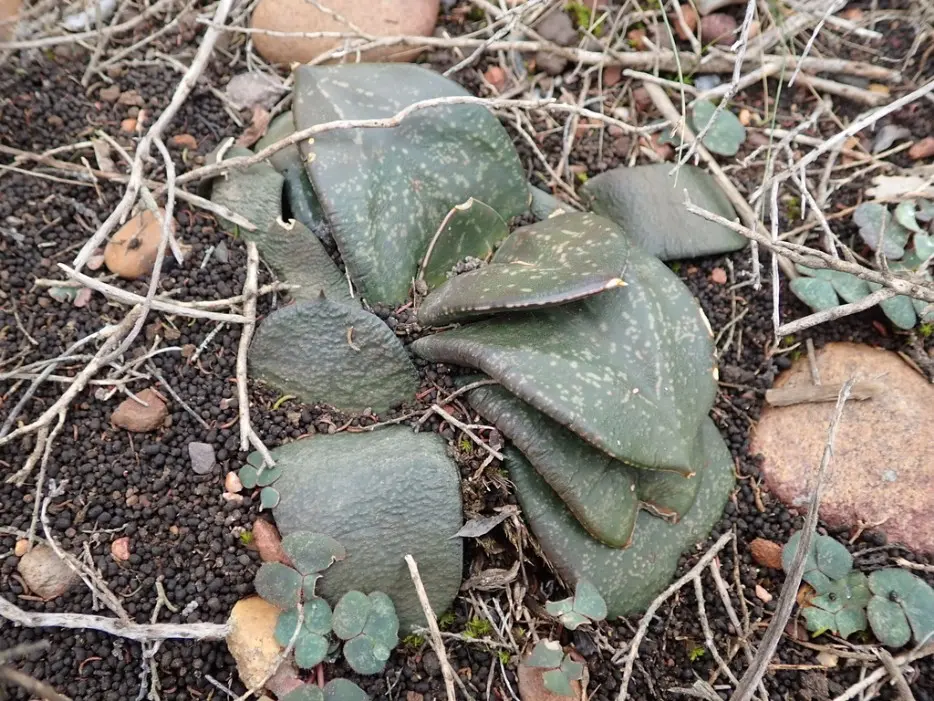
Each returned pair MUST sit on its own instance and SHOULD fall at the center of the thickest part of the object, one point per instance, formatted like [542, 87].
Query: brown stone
[120, 549]
[883, 461]
[184, 141]
[268, 543]
[690, 20]
[110, 94]
[131, 251]
[718, 29]
[9, 10]
[135, 417]
[128, 126]
[377, 17]
[45, 573]
[252, 642]
[767, 553]
[922, 149]
[612, 75]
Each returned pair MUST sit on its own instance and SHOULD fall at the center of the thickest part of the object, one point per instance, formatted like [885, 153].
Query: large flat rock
[883, 462]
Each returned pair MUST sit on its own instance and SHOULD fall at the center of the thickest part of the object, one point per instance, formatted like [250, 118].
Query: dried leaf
[887, 187]
[482, 525]
[102, 155]
[254, 89]
[83, 297]
[888, 135]
[257, 128]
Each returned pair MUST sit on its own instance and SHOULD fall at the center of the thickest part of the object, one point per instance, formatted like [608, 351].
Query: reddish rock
[767, 553]
[718, 276]
[268, 543]
[883, 463]
[128, 126]
[496, 77]
[612, 75]
[922, 149]
[131, 251]
[718, 29]
[135, 417]
[9, 10]
[687, 28]
[184, 141]
[120, 549]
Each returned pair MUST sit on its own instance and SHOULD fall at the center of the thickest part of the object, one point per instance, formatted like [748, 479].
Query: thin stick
[436, 642]
[812, 394]
[466, 429]
[249, 309]
[786, 599]
[880, 673]
[33, 686]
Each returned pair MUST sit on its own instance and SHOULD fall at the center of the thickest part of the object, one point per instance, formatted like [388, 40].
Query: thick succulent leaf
[922, 249]
[310, 588]
[350, 615]
[559, 260]
[599, 491]
[268, 498]
[874, 222]
[471, 229]
[631, 371]
[899, 309]
[924, 310]
[912, 594]
[310, 649]
[311, 553]
[327, 352]
[648, 204]
[255, 193]
[545, 205]
[725, 135]
[630, 579]
[268, 477]
[557, 682]
[546, 654]
[818, 294]
[382, 625]
[306, 692]
[278, 584]
[299, 258]
[905, 215]
[668, 495]
[849, 287]
[844, 602]
[382, 495]
[385, 191]
[343, 690]
[826, 560]
[365, 656]
[888, 621]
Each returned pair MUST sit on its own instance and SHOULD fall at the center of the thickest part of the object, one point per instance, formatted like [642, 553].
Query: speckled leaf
[285, 159]
[285, 626]
[544, 204]
[343, 690]
[268, 498]
[873, 219]
[365, 656]
[888, 622]
[350, 615]
[844, 604]
[899, 309]
[546, 654]
[278, 584]
[382, 495]
[385, 191]
[255, 193]
[471, 229]
[627, 579]
[599, 491]
[310, 649]
[849, 287]
[557, 682]
[631, 371]
[818, 294]
[555, 261]
[648, 204]
[905, 215]
[327, 352]
[826, 560]
[311, 553]
[306, 692]
[725, 135]
[382, 625]
[912, 594]
[299, 258]
[668, 495]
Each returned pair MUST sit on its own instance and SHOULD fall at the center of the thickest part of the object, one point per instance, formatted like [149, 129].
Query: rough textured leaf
[310, 649]
[546, 654]
[844, 604]
[278, 584]
[545, 205]
[912, 594]
[627, 579]
[826, 560]
[385, 191]
[299, 258]
[818, 294]
[726, 134]
[555, 261]
[343, 690]
[382, 495]
[327, 352]
[382, 625]
[888, 621]
[350, 615]
[285, 626]
[268, 498]
[306, 692]
[648, 204]
[631, 371]
[364, 656]
[311, 553]
[599, 491]
[557, 682]
[899, 309]
[255, 193]
[874, 220]
[471, 229]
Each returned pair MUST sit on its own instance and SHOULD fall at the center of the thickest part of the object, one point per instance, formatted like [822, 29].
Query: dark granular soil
[184, 535]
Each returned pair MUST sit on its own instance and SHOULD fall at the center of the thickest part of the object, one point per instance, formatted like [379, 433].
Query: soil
[186, 537]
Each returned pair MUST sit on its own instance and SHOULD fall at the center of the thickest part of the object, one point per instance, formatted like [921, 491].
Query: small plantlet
[560, 669]
[246, 537]
[478, 628]
[696, 652]
[826, 561]
[902, 607]
[369, 628]
[334, 690]
[585, 606]
[504, 657]
[842, 608]
[413, 641]
[446, 620]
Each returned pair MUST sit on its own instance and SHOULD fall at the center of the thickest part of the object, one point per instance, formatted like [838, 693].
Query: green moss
[446, 620]
[246, 537]
[793, 205]
[413, 642]
[504, 657]
[697, 652]
[478, 628]
[583, 16]
[926, 330]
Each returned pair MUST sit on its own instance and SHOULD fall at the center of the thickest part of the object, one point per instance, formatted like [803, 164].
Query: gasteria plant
[604, 360]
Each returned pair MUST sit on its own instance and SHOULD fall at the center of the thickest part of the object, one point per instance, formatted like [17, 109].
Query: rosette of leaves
[826, 561]
[369, 627]
[585, 606]
[559, 669]
[901, 608]
[841, 609]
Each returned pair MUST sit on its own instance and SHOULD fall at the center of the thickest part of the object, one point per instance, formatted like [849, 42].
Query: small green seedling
[725, 135]
[560, 669]
[826, 561]
[477, 628]
[842, 609]
[253, 475]
[585, 606]
[902, 606]
[310, 554]
[334, 690]
[369, 627]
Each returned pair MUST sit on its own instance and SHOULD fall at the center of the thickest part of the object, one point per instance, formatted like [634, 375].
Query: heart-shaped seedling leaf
[343, 690]
[585, 606]
[254, 193]
[369, 626]
[305, 692]
[560, 670]
[818, 294]
[555, 261]
[328, 352]
[648, 203]
[842, 609]
[545, 205]
[268, 498]
[310, 650]
[471, 229]
[848, 286]
[725, 135]
[278, 584]
[317, 620]
[902, 606]
[905, 215]
[312, 553]
[631, 370]
[350, 615]
[599, 490]
[899, 309]
[547, 654]
[253, 474]
[386, 190]
[826, 560]
[877, 226]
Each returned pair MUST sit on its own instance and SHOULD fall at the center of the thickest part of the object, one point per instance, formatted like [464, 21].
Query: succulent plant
[584, 607]
[902, 607]
[841, 609]
[560, 669]
[725, 135]
[310, 554]
[369, 628]
[254, 193]
[826, 561]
